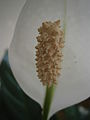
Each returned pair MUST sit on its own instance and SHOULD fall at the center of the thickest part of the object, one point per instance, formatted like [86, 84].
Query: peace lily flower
[73, 84]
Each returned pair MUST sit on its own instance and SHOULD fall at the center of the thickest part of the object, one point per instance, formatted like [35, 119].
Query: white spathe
[74, 82]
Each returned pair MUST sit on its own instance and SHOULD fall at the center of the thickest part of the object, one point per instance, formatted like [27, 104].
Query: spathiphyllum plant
[36, 55]
[49, 57]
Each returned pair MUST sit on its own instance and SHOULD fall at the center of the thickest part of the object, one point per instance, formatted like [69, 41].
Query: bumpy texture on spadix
[49, 52]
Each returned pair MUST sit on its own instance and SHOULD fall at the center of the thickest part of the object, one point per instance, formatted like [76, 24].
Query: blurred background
[12, 99]
[9, 12]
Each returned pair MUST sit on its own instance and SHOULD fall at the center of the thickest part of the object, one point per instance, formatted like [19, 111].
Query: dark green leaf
[19, 106]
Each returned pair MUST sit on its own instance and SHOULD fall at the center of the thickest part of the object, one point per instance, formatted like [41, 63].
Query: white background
[9, 12]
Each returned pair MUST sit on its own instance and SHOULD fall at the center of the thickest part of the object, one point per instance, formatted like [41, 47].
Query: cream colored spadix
[49, 52]
[74, 82]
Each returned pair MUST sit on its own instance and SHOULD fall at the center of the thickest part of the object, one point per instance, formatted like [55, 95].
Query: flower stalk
[48, 101]
[48, 59]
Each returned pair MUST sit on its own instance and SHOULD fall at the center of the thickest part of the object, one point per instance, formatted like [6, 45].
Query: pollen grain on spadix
[49, 52]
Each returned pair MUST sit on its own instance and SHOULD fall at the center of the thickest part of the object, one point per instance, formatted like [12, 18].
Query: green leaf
[19, 105]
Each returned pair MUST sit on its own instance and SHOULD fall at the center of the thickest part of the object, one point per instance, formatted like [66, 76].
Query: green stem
[48, 100]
